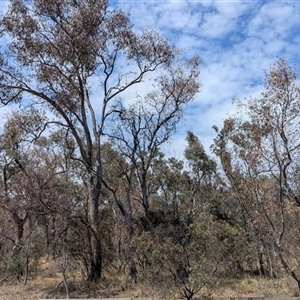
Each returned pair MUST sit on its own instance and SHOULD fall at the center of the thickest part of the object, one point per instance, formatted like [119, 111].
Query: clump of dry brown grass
[257, 287]
[48, 283]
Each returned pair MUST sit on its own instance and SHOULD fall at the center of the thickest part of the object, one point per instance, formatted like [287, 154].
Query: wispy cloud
[237, 40]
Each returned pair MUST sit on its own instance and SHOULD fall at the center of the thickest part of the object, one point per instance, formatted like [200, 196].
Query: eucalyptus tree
[260, 154]
[121, 188]
[143, 127]
[34, 191]
[204, 180]
[76, 58]
[19, 132]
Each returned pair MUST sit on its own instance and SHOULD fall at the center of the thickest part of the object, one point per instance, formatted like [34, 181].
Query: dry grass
[49, 277]
[257, 287]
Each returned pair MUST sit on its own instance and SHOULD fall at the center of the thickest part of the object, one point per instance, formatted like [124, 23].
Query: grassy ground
[47, 284]
[40, 288]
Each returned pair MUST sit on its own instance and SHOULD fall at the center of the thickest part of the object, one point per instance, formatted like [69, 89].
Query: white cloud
[238, 40]
[274, 21]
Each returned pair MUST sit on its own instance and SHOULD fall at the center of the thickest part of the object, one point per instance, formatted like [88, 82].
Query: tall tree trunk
[261, 261]
[95, 270]
[133, 270]
[20, 225]
[128, 219]
[145, 198]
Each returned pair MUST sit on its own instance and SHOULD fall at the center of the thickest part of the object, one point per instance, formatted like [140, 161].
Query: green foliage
[196, 156]
[16, 264]
[184, 251]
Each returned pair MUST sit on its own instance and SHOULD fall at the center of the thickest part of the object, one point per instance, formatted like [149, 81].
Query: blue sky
[237, 40]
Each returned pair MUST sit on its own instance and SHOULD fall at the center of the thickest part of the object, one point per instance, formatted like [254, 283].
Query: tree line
[83, 179]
